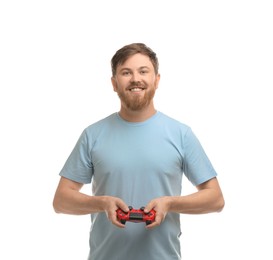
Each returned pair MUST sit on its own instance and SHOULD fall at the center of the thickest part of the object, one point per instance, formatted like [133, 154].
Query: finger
[157, 222]
[123, 206]
[118, 224]
[114, 220]
[153, 225]
[149, 207]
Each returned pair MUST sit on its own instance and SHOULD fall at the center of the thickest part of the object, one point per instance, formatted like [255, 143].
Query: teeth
[135, 89]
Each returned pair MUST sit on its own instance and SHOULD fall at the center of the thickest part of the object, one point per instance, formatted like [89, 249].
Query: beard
[136, 102]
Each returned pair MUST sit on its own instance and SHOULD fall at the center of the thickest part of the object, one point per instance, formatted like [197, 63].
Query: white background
[216, 64]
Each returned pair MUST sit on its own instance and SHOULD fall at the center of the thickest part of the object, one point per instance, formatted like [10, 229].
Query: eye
[126, 73]
[143, 72]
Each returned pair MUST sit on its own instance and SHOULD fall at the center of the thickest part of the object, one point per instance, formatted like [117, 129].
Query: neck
[137, 116]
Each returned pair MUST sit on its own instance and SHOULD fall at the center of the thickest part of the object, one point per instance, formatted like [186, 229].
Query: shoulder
[101, 123]
[173, 123]
[93, 130]
[174, 129]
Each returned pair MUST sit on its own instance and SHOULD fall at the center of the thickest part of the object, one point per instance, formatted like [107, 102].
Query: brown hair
[128, 50]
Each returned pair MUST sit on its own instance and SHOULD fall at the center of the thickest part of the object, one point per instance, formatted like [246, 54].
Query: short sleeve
[78, 166]
[197, 166]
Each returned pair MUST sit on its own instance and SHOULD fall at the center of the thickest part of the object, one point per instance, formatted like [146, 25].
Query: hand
[161, 206]
[111, 204]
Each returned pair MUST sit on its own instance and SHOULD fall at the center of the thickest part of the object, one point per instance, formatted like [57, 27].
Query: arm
[207, 199]
[69, 200]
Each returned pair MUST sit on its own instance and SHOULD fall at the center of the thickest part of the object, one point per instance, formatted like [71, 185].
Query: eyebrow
[140, 68]
[144, 67]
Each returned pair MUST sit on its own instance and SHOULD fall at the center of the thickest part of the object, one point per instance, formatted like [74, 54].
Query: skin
[136, 106]
[136, 71]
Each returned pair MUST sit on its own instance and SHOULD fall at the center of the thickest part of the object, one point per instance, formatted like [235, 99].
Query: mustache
[137, 84]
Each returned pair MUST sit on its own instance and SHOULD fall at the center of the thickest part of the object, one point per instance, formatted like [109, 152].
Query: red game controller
[136, 215]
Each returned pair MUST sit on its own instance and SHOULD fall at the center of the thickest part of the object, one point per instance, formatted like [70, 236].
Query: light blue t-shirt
[137, 162]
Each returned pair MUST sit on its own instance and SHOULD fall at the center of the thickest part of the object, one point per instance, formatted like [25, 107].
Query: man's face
[136, 82]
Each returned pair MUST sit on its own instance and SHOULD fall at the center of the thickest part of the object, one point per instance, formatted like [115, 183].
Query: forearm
[203, 201]
[77, 203]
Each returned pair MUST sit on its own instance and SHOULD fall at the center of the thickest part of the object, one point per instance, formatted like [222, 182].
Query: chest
[137, 150]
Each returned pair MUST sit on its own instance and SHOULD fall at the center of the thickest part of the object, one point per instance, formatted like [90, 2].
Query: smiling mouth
[136, 89]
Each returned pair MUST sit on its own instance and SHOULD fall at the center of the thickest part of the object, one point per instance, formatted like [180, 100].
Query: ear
[114, 83]
[157, 79]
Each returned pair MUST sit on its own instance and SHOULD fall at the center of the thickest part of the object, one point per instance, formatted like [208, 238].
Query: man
[137, 157]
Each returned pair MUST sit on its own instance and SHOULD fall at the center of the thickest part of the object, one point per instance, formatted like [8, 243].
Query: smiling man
[137, 158]
[135, 81]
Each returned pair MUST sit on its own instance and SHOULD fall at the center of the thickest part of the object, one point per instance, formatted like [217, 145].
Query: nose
[135, 77]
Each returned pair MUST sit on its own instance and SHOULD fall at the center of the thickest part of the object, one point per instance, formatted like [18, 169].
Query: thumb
[122, 205]
[149, 207]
